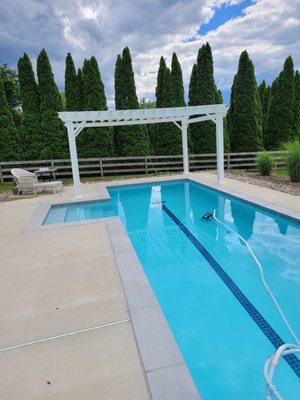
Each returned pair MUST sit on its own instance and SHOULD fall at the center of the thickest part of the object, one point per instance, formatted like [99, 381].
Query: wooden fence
[110, 166]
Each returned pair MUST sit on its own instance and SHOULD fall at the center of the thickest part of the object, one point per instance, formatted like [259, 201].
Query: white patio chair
[27, 182]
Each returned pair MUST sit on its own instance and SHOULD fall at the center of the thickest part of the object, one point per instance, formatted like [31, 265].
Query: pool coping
[166, 372]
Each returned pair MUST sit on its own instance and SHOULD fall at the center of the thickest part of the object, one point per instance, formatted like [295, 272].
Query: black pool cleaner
[207, 216]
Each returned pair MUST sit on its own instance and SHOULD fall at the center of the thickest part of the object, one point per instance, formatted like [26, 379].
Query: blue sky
[268, 29]
[224, 13]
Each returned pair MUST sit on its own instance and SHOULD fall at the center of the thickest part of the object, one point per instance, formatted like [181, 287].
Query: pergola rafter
[180, 116]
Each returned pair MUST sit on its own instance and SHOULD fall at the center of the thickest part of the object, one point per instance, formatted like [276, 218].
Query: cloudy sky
[268, 29]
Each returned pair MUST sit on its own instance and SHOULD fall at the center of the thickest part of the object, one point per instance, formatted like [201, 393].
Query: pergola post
[185, 150]
[74, 160]
[220, 148]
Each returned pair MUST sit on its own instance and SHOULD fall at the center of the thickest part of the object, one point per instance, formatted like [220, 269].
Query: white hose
[270, 366]
[262, 277]
[285, 349]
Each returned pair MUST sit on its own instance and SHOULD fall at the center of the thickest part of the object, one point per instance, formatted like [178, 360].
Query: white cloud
[269, 30]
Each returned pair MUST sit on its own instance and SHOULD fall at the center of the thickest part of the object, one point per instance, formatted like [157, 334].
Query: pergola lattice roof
[181, 116]
[142, 116]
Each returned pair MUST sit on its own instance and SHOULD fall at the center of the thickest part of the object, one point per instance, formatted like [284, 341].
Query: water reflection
[135, 213]
[243, 217]
[282, 225]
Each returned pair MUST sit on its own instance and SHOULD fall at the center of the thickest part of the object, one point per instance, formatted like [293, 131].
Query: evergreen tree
[31, 137]
[94, 142]
[219, 100]
[118, 102]
[192, 102]
[202, 91]
[264, 95]
[118, 84]
[55, 137]
[262, 90]
[130, 140]
[177, 82]
[193, 87]
[245, 115]
[159, 86]
[297, 104]
[151, 128]
[80, 85]
[71, 86]
[168, 135]
[280, 120]
[12, 92]
[8, 131]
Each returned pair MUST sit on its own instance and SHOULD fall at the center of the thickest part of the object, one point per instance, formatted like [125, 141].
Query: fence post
[1, 176]
[101, 167]
[146, 165]
[53, 169]
[228, 160]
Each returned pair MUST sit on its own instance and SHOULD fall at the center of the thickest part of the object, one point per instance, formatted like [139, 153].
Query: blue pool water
[208, 284]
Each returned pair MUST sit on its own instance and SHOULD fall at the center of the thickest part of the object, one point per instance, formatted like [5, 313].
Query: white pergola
[181, 116]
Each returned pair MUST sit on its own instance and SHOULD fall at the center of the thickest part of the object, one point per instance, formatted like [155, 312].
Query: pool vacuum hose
[287, 348]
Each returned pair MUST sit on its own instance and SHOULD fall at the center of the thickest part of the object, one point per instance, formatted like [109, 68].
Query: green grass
[4, 187]
[69, 181]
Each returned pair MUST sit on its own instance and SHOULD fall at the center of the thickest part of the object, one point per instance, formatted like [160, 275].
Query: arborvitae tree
[219, 100]
[71, 85]
[168, 135]
[8, 131]
[94, 142]
[245, 115]
[80, 85]
[202, 92]
[12, 91]
[262, 90]
[280, 121]
[177, 82]
[155, 139]
[118, 101]
[54, 132]
[192, 102]
[297, 104]
[31, 135]
[230, 112]
[193, 90]
[130, 140]
[118, 83]
[151, 128]
[159, 86]
[264, 95]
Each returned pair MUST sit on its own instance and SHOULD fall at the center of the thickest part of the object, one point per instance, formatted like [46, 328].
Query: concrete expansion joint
[93, 328]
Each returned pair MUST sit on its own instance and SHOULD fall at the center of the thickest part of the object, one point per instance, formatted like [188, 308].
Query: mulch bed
[272, 182]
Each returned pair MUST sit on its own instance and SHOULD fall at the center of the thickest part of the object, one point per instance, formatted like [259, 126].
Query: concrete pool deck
[79, 318]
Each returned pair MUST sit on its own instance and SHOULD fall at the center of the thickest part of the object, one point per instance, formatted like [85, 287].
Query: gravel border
[272, 182]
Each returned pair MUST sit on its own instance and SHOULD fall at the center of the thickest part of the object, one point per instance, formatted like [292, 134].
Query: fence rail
[138, 165]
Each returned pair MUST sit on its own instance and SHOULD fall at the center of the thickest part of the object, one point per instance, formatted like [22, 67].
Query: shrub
[265, 163]
[292, 159]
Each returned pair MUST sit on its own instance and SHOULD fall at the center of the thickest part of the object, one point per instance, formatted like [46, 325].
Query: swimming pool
[207, 283]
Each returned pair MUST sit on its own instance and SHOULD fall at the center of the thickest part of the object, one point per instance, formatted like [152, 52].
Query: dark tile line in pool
[256, 316]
